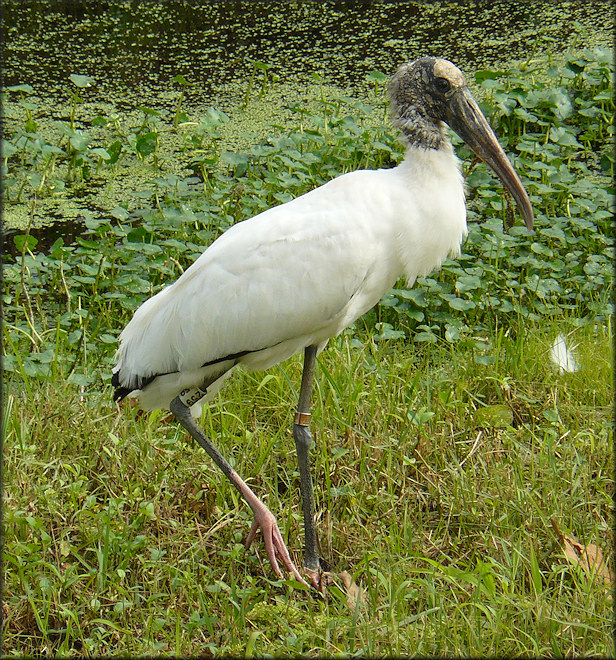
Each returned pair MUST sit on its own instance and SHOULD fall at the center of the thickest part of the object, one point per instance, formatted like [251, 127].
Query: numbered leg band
[302, 419]
[190, 396]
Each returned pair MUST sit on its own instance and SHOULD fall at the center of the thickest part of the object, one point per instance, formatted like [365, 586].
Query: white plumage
[297, 274]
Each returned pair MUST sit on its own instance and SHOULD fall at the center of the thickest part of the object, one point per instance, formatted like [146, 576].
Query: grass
[121, 537]
[448, 453]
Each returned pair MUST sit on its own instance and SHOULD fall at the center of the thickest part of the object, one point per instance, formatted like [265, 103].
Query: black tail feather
[120, 392]
[139, 382]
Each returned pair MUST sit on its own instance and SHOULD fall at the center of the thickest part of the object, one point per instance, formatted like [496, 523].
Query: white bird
[297, 274]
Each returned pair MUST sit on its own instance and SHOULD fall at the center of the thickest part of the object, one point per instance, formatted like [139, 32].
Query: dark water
[135, 47]
[66, 229]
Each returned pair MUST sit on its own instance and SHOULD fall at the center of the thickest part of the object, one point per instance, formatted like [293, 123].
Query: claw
[274, 544]
[318, 579]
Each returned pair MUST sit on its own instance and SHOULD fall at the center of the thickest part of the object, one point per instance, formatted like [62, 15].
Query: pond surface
[134, 50]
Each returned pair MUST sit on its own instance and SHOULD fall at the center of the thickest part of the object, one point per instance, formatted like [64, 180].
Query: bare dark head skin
[429, 92]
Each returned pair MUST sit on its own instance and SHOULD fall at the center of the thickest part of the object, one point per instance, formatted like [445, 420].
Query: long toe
[274, 544]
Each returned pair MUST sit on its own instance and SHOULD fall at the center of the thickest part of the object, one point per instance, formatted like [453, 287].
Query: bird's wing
[288, 272]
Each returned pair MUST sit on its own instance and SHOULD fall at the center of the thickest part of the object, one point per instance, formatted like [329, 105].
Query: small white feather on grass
[562, 357]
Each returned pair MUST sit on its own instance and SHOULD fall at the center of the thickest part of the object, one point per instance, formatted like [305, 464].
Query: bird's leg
[263, 517]
[303, 440]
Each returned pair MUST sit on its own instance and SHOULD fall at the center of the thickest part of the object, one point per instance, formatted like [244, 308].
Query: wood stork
[297, 274]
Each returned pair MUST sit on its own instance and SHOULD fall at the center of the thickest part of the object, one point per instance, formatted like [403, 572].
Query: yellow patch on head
[445, 69]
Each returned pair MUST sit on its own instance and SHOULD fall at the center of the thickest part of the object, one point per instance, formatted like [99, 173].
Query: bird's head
[428, 92]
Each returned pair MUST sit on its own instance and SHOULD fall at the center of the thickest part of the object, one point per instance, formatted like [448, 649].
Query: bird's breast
[434, 224]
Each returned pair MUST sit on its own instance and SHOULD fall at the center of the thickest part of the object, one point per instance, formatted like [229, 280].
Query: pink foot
[274, 544]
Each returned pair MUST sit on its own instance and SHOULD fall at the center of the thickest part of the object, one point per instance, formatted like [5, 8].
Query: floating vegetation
[145, 49]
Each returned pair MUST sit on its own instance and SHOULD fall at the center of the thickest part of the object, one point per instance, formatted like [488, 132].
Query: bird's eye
[442, 85]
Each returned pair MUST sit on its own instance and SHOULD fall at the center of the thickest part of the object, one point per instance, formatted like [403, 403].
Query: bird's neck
[419, 130]
[432, 164]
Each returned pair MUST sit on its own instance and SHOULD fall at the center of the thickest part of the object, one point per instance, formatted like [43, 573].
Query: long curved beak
[467, 120]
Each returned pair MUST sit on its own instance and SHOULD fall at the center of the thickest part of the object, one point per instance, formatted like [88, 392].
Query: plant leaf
[498, 416]
[81, 81]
